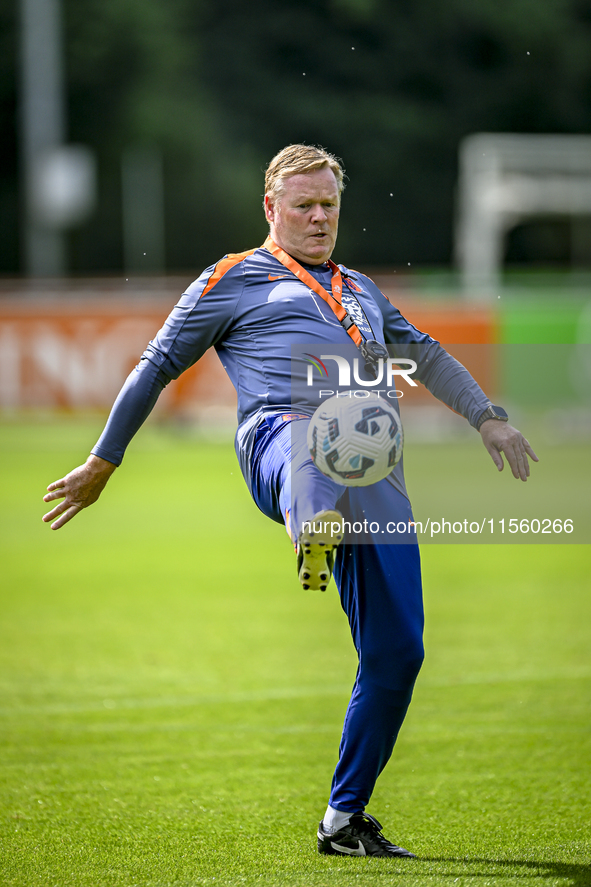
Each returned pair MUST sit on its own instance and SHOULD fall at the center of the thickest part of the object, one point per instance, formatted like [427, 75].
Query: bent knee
[396, 668]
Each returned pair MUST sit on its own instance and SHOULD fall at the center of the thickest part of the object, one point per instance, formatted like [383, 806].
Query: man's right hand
[79, 489]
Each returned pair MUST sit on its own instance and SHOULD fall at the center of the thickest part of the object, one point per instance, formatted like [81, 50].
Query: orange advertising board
[73, 350]
[67, 354]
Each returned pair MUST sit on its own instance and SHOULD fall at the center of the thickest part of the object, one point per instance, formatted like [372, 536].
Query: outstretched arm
[499, 437]
[195, 323]
[82, 486]
[79, 489]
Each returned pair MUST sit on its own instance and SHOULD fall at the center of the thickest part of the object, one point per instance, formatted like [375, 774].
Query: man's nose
[318, 213]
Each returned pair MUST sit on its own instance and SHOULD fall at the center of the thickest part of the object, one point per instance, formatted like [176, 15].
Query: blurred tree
[220, 85]
[8, 145]
[393, 86]
[135, 75]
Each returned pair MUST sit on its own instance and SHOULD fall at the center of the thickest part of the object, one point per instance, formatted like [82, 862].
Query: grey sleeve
[448, 380]
[134, 404]
[193, 325]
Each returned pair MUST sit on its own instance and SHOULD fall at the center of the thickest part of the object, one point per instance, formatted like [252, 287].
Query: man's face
[304, 219]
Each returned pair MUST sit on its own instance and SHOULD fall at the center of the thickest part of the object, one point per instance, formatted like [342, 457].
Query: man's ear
[269, 208]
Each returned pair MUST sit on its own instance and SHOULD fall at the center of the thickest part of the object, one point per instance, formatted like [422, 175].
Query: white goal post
[504, 178]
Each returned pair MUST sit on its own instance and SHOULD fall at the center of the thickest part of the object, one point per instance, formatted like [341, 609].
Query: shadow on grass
[579, 874]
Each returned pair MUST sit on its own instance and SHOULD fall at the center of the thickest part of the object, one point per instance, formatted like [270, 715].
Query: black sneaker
[315, 549]
[362, 836]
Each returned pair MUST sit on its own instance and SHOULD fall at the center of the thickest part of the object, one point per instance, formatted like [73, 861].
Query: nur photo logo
[387, 372]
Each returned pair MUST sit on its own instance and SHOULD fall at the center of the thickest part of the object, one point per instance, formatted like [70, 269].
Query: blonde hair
[296, 159]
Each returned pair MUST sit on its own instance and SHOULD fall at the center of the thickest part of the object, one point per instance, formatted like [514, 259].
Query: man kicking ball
[253, 307]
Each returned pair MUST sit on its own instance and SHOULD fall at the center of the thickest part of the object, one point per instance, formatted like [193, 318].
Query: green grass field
[171, 700]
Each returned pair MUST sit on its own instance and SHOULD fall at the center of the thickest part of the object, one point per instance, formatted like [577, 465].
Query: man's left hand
[499, 437]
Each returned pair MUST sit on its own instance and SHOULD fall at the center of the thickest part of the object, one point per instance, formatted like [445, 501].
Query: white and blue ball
[354, 441]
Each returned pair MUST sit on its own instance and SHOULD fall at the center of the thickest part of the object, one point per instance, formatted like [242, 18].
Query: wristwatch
[492, 412]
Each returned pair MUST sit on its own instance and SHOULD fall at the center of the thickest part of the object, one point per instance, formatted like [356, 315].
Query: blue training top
[252, 309]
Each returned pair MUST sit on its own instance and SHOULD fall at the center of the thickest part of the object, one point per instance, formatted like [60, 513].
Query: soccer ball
[355, 442]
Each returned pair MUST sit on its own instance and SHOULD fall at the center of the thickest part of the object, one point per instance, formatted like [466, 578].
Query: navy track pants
[380, 589]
